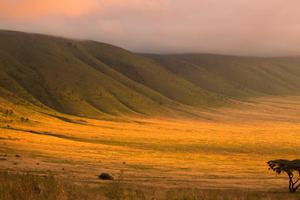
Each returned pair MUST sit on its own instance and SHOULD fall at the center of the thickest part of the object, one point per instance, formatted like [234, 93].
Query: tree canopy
[291, 168]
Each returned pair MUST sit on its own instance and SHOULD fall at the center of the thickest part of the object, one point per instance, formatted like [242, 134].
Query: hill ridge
[88, 78]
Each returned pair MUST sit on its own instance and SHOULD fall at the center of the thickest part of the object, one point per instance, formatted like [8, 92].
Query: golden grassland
[227, 149]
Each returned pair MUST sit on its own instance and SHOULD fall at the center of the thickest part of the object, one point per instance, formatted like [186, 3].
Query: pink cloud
[248, 27]
[31, 9]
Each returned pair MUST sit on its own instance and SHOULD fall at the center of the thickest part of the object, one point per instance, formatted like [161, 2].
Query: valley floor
[227, 149]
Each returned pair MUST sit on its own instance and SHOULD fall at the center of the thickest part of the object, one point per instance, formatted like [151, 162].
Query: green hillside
[88, 78]
[236, 77]
[91, 79]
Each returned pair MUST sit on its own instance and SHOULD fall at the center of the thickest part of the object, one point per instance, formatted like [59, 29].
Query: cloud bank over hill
[242, 27]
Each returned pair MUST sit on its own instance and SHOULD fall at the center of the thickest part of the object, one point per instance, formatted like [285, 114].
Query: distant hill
[93, 79]
[236, 77]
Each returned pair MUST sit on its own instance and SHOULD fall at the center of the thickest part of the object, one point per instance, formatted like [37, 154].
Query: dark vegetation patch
[82, 122]
[24, 119]
[6, 112]
[41, 133]
[105, 176]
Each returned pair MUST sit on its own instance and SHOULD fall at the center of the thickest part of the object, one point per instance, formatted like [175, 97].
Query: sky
[236, 27]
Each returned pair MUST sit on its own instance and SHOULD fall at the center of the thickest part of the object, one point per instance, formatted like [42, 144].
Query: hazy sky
[243, 27]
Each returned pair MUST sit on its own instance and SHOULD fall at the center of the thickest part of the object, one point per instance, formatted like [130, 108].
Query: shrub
[106, 176]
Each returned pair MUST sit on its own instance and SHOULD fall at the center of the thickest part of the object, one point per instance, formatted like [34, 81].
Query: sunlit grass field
[225, 150]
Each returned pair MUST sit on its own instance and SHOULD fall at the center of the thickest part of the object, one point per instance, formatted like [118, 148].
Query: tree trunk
[292, 185]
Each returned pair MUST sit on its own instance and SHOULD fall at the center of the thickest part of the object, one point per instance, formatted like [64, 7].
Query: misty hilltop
[89, 78]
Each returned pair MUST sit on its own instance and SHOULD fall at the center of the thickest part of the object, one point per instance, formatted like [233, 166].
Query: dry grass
[226, 150]
[33, 187]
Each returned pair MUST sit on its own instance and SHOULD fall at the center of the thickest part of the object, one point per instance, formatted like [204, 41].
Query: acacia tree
[291, 168]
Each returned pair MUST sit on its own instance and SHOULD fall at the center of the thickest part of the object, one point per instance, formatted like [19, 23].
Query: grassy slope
[93, 79]
[89, 78]
[236, 76]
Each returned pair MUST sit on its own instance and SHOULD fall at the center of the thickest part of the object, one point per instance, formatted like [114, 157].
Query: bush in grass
[105, 176]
